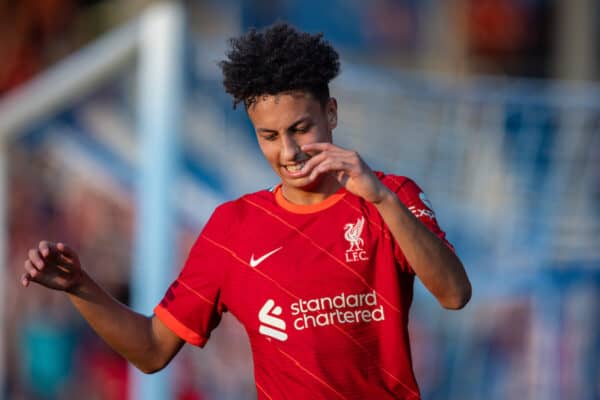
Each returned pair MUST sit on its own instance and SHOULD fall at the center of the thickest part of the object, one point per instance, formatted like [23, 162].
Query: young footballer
[319, 269]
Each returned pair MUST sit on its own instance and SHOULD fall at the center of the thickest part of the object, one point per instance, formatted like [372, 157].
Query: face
[285, 122]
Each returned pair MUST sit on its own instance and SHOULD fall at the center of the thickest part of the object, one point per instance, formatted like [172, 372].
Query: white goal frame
[155, 41]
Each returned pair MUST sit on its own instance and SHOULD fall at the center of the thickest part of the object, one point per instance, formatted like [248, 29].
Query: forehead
[270, 110]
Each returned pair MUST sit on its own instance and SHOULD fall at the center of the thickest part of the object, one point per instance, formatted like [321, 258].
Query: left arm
[436, 265]
[440, 270]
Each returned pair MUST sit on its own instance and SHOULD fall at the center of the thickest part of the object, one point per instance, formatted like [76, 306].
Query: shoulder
[236, 211]
[395, 182]
[407, 190]
[412, 196]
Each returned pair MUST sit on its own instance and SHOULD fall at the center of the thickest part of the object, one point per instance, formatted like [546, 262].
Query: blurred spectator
[510, 36]
[47, 202]
[390, 25]
[36, 33]
[29, 29]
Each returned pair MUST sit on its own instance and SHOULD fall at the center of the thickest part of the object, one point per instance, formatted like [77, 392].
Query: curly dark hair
[278, 59]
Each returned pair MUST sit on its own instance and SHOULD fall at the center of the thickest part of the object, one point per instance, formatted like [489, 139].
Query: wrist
[385, 196]
[78, 283]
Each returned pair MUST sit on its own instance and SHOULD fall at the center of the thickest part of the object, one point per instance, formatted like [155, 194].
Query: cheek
[321, 135]
[269, 151]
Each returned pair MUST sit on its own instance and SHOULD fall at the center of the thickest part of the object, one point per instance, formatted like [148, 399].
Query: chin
[302, 184]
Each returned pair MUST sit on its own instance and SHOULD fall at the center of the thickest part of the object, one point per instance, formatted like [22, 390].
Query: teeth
[295, 167]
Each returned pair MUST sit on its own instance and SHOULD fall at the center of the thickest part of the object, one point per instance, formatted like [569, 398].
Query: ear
[331, 111]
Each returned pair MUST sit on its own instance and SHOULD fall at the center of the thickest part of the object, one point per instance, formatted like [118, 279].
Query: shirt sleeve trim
[179, 328]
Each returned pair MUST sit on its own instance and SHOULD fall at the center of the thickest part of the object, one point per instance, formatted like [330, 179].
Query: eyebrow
[297, 122]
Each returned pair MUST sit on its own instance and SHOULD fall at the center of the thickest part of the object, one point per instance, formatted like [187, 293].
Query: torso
[323, 293]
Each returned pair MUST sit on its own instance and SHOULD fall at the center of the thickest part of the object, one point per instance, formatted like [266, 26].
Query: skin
[294, 132]
[144, 341]
[283, 124]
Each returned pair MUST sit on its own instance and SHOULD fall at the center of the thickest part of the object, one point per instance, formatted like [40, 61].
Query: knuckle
[32, 271]
[29, 266]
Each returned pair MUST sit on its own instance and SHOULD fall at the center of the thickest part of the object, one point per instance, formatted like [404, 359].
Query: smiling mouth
[295, 167]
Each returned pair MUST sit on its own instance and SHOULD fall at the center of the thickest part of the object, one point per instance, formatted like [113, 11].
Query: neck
[327, 186]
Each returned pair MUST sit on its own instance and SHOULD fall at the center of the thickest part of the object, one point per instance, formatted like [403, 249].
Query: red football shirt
[323, 292]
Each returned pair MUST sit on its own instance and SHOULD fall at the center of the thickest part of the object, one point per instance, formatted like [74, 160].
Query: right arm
[144, 341]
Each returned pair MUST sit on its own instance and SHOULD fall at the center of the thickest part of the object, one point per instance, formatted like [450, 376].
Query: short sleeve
[413, 197]
[192, 305]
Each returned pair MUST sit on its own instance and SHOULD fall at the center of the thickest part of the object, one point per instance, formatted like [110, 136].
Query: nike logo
[254, 263]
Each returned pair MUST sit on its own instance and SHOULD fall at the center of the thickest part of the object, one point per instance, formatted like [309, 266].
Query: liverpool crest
[353, 233]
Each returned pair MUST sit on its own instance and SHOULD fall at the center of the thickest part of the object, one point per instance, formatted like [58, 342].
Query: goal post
[159, 104]
[156, 39]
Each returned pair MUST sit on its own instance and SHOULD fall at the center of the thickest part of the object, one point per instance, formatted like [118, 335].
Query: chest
[309, 272]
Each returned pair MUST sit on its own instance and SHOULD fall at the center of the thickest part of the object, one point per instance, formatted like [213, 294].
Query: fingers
[331, 158]
[46, 278]
[319, 146]
[46, 252]
[53, 265]
[66, 251]
[326, 151]
[329, 166]
[35, 257]
[30, 270]
[313, 162]
[60, 251]
[25, 279]
[46, 248]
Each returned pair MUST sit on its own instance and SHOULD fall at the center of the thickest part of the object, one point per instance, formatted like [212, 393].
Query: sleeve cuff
[179, 328]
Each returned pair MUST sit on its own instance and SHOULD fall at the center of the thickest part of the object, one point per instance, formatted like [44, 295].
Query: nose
[290, 149]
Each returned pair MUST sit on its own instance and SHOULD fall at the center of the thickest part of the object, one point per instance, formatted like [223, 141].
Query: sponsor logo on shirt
[353, 233]
[421, 212]
[271, 325]
[341, 309]
[426, 211]
[255, 261]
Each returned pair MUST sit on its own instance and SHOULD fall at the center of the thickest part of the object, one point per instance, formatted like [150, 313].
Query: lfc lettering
[353, 256]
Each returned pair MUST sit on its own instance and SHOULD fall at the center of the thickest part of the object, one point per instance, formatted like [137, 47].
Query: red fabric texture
[324, 296]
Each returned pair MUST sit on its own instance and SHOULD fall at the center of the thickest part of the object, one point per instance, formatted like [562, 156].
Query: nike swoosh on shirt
[254, 263]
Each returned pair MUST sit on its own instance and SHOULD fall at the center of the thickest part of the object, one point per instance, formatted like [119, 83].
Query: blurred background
[492, 106]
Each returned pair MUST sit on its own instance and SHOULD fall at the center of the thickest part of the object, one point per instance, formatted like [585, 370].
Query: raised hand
[55, 266]
[348, 168]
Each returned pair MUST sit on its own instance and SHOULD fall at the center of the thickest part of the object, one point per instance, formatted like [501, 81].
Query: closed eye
[301, 129]
[270, 136]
